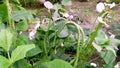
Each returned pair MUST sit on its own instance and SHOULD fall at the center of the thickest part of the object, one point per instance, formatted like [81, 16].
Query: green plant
[54, 42]
[18, 53]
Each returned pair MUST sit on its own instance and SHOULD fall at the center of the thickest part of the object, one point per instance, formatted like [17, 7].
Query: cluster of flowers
[100, 7]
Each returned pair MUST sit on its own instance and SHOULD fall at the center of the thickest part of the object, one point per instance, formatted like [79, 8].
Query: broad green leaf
[102, 35]
[20, 52]
[22, 39]
[38, 63]
[102, 39]
[63, 33]
[108, 56]
[57, 6]
[111, 48]
[22, 25]
[22, 64]
[22, 15]
[55, 15]
[108, 65]
[97, 47]
[60, 26]
[4, 62]
[115, 41]
[72, 28]
[3, 12]
[5, 39]
[33, 52]
[57, 63]
[102, 42]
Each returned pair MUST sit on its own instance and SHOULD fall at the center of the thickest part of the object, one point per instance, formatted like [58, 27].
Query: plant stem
[79, 29]
[8, 11]
[95, 33]
[9, 59]
[8, 55]
[45, 39]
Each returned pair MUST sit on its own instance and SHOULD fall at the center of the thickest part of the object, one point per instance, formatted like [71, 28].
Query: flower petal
[48, 5]
[100, 7]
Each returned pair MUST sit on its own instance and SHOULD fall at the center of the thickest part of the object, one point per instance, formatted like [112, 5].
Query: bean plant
[53, 42]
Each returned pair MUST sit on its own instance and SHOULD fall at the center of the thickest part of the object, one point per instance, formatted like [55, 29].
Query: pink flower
[37, 25]
[48, 5]
[71, 17]
[32, 34]
[110, 5]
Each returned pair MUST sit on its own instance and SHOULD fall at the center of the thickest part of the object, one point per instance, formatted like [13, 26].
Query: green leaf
[38, 63]
[22, 40]
[57, 63]
[108, 56]
[63, 33]
[99, 48]
[102, 42]
[3, 12]
[101, 34]
[22, 64]
[5, 39]
[33, 52]
[57, 6]
[115, 41]
[4, 62]
[102, 39]
[20, 52]
[60, 26]
[55, 15]
[108, 66]
[22, 25]
[22, 15]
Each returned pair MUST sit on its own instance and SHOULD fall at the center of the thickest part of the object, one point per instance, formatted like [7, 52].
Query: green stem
[9, 59]
[8, 55]
[95, 33]
[9, 12]
[79, 29]
[91, 30]
[45, 40]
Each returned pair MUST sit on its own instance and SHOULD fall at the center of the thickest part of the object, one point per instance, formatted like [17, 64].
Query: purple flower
[48, 5]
